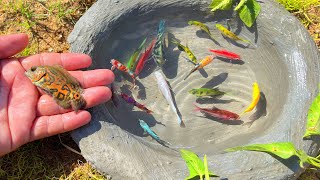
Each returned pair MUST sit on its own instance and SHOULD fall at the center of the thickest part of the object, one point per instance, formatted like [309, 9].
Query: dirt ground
[48, 24]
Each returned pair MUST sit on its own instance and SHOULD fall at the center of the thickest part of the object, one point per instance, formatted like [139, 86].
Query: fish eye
[33, 68]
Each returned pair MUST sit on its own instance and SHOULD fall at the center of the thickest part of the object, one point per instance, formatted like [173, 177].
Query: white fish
[165, 90]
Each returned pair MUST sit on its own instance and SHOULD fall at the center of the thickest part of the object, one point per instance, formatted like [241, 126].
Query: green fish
[186, 49]
[133, 59]
[230, 34]
[202, 26]
[201, 92]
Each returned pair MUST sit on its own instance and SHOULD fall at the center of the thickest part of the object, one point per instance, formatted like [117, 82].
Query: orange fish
[207, 60]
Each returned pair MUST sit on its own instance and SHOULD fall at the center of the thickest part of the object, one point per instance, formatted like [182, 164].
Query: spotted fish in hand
[58, 83]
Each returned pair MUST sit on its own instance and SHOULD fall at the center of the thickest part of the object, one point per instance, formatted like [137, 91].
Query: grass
[48, 23]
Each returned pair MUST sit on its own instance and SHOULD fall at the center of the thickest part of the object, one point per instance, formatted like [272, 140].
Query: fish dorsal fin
[214, 108]
[68, 76]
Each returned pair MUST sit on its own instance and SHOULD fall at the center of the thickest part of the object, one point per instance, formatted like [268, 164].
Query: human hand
[26, 114]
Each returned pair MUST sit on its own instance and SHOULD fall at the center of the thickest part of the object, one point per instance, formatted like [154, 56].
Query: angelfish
[165, 90]
[230, 34]
[147, 129]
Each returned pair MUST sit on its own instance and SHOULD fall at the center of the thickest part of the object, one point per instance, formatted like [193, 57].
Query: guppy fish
[131, 100]
[201, 92]
[158, 54]
[58, 83]
[218, 113]
[123, 68]
[144, 57]
[186, 49]
[202, 26]
[225, 54]
[147, 129]
[207, 60]
[165, 90]
[132, 61]
[230, 34]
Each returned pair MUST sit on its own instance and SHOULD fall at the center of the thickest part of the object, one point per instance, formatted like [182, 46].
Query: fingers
[98, 77]
[93, 96]
[45, 126]
[12, 44]
[70, 61]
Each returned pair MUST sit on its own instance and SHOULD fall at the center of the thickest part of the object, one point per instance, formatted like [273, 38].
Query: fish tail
[149, 111]
[78, 104]
[193, 70]
[197, 108]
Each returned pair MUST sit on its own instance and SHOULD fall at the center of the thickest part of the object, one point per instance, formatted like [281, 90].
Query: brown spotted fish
[58, 83]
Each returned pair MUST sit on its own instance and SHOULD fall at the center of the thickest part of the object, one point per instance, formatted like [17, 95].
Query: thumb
[12, 44]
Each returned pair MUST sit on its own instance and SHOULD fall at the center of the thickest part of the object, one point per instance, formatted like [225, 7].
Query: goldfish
[165, 90]
[57, 82]
[202, 26]
[186, 49]
[132, 61]
[255, 98]
[225, 54]
[230, 34]
[207, 60]
[131, 100]
[201, 92]
[218, 113]
[144, 58]
[123, 68]
[157, 53]
[147, 129]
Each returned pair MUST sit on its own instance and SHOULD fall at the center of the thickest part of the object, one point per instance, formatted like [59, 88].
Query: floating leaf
[282, 149]
[220, 4]
[313, 119]
[249, 12]
[195, 165]
[206, 169]
[241, 3]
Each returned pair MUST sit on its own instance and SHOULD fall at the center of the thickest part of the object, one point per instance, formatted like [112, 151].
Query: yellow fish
[255, 98]
[230, 34]
[58, 83]
[202, 26]
[186, 49]
[207, 60]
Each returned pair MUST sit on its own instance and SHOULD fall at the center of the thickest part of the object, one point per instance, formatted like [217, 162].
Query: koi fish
[57, 82]
[230, 34]
[218, 113]
[165, 90]
[225, 54]
[206, 92]
[123, 68]
[207, 60]
[132, 61]
[186, 49]
[131, 100]
[144, 58]
[202, 26]
[147, 129]
[157, 53]
[255, 98]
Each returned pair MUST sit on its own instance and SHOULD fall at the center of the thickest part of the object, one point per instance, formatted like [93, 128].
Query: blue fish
[147, 129]
[157, 53]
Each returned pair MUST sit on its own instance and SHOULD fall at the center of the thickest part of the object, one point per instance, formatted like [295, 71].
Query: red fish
[144, 57]
[225, 54]
[218, 113]
[131, 100]
[123, 68]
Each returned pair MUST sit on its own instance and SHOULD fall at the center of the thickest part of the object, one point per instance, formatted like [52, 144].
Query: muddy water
[261, 63]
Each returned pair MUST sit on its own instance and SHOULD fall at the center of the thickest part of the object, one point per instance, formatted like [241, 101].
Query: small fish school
[156, 51]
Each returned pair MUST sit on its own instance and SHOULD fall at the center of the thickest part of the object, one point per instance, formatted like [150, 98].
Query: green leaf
[313, 121]
[195, 165]
[206, 171]
[241, 3]
[282, 149]
[249, 11]
[220, 4]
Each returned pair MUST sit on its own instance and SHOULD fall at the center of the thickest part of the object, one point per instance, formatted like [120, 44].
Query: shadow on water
[216, 80]
[214, 100]
[261, 108]
[203, 34]
[239, 62]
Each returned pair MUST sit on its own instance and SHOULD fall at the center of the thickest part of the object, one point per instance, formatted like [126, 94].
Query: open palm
[26, 114]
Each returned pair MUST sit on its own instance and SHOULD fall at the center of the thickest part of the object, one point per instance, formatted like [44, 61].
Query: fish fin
[193, 70]
[63, 104]
[182, 125]
[78, 104]
[197, 108]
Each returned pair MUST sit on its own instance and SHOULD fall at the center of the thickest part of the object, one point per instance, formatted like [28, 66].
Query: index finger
[70, 61]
